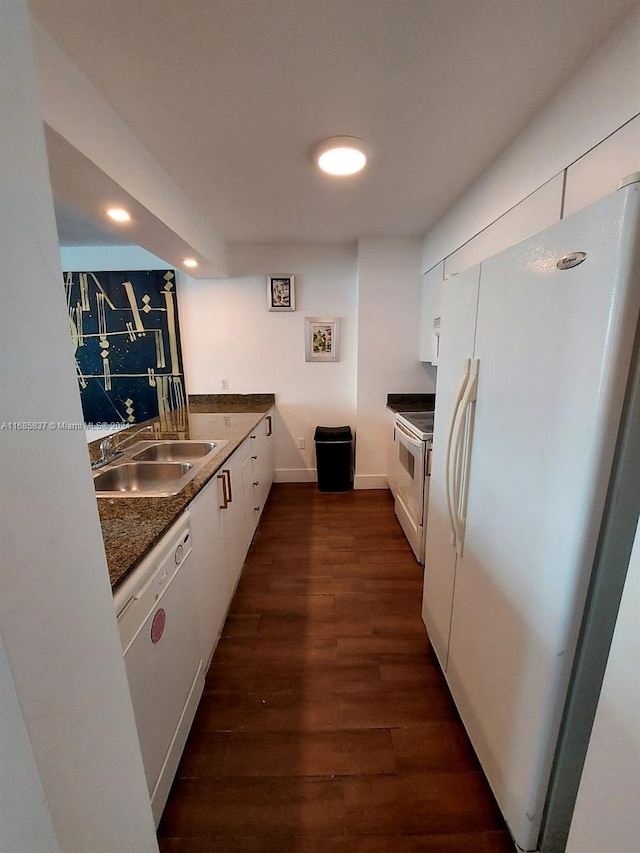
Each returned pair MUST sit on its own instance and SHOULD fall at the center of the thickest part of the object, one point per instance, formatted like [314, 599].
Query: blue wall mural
[124, 327]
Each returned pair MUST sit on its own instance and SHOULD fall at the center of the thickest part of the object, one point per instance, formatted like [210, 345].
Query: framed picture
[321, 341]
[281, 294]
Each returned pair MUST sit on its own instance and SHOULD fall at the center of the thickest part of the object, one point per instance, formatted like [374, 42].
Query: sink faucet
[111, 449]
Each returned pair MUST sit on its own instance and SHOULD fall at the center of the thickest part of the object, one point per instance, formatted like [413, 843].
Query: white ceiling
[229, 96]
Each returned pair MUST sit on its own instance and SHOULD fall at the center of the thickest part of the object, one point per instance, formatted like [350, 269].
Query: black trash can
[334, 458]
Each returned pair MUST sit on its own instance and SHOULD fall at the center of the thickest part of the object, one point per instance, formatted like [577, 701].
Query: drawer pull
[227, 473]
[225, 499]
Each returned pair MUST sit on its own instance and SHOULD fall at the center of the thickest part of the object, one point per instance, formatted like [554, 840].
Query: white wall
[57, 621]
[599, 99]
[227, 332]
[388, 329]
[606, 815]
[25, 820]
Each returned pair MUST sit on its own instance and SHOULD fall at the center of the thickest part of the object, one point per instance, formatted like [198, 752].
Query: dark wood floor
[326, 724]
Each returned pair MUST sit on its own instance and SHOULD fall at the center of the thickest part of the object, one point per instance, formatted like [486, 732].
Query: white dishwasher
[157, 618]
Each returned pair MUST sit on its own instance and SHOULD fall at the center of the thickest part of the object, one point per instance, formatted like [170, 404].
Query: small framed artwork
[321, 341]
[281, 294]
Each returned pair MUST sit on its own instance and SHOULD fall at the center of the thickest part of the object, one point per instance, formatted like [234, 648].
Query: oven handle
[407, 437]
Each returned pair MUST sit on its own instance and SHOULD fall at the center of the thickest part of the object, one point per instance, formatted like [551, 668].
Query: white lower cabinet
[250, 486]
[258, 477]
[210, 558]
[180, 594]
[238, 529]
[224, 517]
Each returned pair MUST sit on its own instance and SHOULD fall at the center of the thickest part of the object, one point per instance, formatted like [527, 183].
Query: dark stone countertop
[233, 402]
[132, 526]
[411, 402]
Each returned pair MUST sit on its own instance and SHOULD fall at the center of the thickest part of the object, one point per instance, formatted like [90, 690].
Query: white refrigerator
[535, 349]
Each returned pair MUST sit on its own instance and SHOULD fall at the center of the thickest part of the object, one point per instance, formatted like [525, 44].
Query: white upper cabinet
[537, 211]
[598, 173]
[430, 314]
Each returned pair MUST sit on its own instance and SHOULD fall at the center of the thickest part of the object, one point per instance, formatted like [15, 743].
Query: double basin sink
[154, 468]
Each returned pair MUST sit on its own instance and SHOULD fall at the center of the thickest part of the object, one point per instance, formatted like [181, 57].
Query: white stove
[420, 423]
[409, 473]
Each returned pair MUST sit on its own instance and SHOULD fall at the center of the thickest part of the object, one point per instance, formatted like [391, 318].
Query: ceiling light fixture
[342, 155]
[119, 214]
[190, 262]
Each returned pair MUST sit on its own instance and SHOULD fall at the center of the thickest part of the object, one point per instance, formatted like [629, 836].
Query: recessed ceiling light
[190, 262]
[119, 214]
[342, 155]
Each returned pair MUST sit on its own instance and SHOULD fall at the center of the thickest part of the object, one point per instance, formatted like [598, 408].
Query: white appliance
[156, 608]
[409, 473]
[535, 349]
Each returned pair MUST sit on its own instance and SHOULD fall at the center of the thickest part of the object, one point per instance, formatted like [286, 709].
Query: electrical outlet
[224, 384]
[301, 444]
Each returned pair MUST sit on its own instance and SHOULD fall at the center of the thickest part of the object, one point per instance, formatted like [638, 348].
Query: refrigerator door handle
[454, 472]
[463, 454]
[449, 469]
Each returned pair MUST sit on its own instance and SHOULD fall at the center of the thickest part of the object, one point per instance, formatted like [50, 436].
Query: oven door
[410, 479]
[410, 472]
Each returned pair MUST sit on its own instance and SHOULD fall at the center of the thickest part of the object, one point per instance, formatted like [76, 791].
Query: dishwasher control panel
[143, 590]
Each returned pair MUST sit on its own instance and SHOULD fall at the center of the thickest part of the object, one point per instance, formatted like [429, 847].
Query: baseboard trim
[308, 475]
[370, 481]
[295, 475]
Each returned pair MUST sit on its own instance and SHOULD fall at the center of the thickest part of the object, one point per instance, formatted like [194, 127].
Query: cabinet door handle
[254, 437]
[225, 499]
[227, 473]
[254, 457]
[257, 483]
[270, 432]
